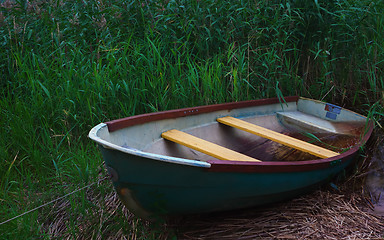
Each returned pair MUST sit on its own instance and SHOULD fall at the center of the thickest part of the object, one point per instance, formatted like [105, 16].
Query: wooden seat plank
[278, 137]
[206, 147]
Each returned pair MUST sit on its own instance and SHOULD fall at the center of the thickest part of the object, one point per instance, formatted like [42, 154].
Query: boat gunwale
[108, 145]
[117, 124]
[223, 165]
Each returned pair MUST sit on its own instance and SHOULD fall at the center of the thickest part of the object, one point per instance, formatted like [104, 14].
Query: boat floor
[261, 148]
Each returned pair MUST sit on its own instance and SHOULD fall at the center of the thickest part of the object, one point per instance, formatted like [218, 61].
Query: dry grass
[328, 213]
[324, 214]
[320, 215]
[105, 218]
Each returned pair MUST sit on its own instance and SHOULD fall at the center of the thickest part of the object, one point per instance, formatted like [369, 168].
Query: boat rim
[297, 165]
[93, 135]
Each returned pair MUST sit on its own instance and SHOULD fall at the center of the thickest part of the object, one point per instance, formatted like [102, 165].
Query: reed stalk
[65, 66]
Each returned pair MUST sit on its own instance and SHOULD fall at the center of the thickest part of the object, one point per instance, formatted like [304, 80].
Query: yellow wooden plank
[277, 137]
[206, 147]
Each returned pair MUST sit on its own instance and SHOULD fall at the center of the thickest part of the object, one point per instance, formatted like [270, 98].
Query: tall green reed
[68, 65]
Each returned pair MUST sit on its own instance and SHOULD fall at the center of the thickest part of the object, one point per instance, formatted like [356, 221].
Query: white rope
[45, 204]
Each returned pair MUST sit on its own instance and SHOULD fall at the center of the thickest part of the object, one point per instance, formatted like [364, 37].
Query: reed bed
[65, 66]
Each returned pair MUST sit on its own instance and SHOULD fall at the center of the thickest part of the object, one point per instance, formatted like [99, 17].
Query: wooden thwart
[206, 147]
[278, 137]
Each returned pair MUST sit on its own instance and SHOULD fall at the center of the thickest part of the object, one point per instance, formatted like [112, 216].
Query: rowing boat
[228, 156]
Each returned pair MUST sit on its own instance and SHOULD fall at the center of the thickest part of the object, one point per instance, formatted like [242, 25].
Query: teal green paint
[161, 187]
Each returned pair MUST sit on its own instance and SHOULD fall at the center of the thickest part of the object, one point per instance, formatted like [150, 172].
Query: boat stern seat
[306, 122]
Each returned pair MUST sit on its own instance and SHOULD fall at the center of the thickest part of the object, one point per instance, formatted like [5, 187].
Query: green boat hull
[154, 176]
[161, 188]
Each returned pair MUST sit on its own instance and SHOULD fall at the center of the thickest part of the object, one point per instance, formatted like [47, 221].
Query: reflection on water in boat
[346, 135]
[272, 151]
[375, 178]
